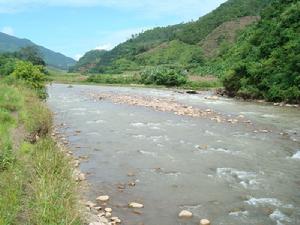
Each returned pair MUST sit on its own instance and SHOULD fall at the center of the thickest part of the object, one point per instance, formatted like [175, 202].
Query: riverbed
[246, 172]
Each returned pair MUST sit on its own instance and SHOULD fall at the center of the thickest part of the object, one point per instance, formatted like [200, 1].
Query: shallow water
[228, 173]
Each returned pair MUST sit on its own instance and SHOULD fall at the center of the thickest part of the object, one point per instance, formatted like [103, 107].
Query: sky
[74, 27]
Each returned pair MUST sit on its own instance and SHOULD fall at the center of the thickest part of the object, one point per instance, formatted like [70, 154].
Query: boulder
[103, 198]
[135, 205]
[204, 222]
[185, 214]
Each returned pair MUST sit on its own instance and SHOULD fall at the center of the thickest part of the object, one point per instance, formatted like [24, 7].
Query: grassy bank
[36, 184]
[130, 79]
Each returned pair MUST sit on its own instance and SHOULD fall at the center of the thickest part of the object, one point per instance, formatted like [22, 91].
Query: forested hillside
[12, 44]
[265, 62]
[253, 46]
[173, 39]
[88, 61]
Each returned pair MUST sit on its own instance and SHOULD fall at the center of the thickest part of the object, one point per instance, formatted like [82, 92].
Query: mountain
[11, 44]
[88, 60]
[187, 37]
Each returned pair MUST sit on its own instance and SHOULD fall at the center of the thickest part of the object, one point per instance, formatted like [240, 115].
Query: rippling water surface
[228, 173]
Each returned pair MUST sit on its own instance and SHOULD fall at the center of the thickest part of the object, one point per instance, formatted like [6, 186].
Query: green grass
[130, 79]
[36, 184]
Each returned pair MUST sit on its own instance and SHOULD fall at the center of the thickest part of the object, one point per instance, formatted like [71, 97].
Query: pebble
[103, 198]
[204, 222]
[90, 204]
[107, 214]
[135, 205]
[116, 219]
[81, 177]
[109, 210]
[185, 214]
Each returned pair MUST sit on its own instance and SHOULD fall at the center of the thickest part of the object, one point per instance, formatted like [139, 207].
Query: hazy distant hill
[11, 44]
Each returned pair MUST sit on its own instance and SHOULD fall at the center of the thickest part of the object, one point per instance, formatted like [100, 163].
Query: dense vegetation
[163, 45]
[12, 44]
[163, 76]
[266, 60]
[36, 184]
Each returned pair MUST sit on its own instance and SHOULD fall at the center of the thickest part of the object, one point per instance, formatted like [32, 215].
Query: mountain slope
[226, 33]
[189, 33]
[11, 44]
[88, 60]
[265, 60]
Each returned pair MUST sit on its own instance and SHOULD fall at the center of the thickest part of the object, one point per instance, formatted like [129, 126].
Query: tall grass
[36, 184]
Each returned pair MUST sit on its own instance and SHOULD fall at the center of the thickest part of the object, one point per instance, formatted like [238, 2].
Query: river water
[227, 173]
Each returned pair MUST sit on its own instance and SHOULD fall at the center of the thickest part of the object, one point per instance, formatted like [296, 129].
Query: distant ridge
[10, 43]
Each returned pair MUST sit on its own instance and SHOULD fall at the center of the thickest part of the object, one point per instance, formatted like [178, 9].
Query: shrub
[163, 76]
[32, 76]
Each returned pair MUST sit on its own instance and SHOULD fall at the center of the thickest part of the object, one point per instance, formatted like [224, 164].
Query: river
[229, 173]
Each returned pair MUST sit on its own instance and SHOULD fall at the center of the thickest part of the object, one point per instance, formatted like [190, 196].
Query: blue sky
[74, 27]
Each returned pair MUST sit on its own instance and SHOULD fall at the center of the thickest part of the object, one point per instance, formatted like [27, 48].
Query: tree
[31, 54]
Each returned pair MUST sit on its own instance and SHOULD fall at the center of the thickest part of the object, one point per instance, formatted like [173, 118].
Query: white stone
[185, 214]
[103, 198]
[135, 205]
[204, 222]
[108, 210]
[107, 214]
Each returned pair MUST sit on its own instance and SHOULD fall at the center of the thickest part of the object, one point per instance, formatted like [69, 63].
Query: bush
[163, 76]
[32, 75]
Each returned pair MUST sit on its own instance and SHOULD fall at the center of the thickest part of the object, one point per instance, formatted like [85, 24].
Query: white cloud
[185, 8]
[107, 46]
[77, 56]
[8, 30]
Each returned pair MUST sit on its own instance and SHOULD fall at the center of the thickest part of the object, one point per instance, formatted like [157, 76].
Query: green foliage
[163, 76]
[30, 54]
[32, 76]
[194, 32]
[266, 57]
[174, 52]
[7, 64]
[87, 61]
[10, 100]
[114, 79]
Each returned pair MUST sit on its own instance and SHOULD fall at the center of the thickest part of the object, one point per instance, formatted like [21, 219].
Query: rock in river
[204, 222]
[135, 205]
[185, 214]
[103, 198]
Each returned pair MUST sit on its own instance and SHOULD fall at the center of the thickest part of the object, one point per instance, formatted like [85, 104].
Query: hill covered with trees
[177, 38]
[10, 43]
[265, 62]
[253, 46]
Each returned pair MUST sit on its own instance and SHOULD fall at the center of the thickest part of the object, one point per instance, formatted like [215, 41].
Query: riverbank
[131, 79]
[36, 176]
[195, 84]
